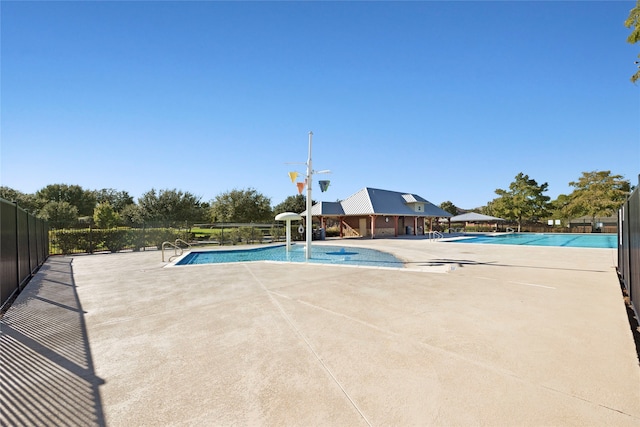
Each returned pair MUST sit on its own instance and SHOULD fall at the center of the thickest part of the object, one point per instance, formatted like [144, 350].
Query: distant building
[372, 212]
[584, 224]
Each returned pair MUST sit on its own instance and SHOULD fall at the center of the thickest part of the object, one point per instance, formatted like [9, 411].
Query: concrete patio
[467, 335]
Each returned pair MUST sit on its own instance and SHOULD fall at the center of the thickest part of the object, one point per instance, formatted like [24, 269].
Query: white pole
[309, 216]
[288, 235]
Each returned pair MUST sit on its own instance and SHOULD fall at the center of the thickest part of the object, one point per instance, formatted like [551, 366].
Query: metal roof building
[375, 212]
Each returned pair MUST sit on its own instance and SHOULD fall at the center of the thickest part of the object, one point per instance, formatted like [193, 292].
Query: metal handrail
[180, 240]
[435, 235]
[175, 248]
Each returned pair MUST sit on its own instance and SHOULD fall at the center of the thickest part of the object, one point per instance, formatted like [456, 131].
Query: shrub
[332, 231]
[91, 240]
[246, 234]
[222, 236]
[65, 240]
[87, 241]
[115, 240]
[137, 239]
[276, 233]
[234, 235]
[157, 236]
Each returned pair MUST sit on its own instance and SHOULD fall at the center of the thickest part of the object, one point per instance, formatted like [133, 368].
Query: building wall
[384, 228]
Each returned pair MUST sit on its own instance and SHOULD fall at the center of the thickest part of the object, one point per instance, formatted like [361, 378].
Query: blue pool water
[608, 241]
[319, 254]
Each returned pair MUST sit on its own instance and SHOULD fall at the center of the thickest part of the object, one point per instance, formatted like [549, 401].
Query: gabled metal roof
[387, 202]
[326, 209]
[358, 204]
[434, 211]
[474, 217]
[374, 201]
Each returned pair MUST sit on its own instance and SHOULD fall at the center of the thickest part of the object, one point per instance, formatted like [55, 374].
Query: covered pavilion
[372, 212]
[475, 218]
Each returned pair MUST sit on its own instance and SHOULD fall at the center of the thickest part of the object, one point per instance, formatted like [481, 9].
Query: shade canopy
[288, 216]
[475, 217]
[291, 216]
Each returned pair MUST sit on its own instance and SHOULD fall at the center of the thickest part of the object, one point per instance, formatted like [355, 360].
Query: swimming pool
[319, 254]
[608, 241]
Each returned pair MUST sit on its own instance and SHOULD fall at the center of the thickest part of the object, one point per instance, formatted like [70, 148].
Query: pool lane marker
[301, 335]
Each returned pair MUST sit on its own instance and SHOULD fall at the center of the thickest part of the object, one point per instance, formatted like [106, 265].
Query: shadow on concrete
[46, 370]
[451, 262]
[463, 262]
[634, 322]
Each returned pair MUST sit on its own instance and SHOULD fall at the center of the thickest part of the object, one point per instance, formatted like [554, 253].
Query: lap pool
[319, 254]
[606, 241]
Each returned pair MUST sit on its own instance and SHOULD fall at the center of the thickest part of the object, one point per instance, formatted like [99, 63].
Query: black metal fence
[83, 239]
[629, 247]
[24, 247]
[91, 240]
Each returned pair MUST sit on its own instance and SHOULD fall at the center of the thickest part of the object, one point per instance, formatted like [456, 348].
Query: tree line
[66, 206]
[595, 194]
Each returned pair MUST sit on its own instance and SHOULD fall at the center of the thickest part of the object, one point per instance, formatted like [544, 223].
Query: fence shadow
[46, 368]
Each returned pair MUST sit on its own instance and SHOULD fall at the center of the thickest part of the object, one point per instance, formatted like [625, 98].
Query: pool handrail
[435, 235]
[176, 247]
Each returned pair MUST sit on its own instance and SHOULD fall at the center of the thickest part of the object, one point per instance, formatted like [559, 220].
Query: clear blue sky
[448, 100]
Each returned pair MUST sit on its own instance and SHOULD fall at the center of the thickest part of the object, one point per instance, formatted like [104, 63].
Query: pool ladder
[176, 247]
[435, 235]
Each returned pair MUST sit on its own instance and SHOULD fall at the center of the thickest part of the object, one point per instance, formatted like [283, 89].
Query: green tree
[170, 207]
[523, 201]
[105, 216]
[83, 200]
[449, 207]
[117, 199]
[487, 209]
[131, 215]
[558, 208]
[10, 194]
[597, 194]
[241, 206]
[296, 204]
[633, 22]
[25, 201]
[60, 214]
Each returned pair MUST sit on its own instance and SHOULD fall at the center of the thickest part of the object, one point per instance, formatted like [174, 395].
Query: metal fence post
[29, 218]
[17, 247]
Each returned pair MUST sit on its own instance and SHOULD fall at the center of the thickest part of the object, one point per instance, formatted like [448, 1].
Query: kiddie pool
[320, 254]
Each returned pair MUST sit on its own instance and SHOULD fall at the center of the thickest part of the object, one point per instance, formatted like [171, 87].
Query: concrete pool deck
[468, 335]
